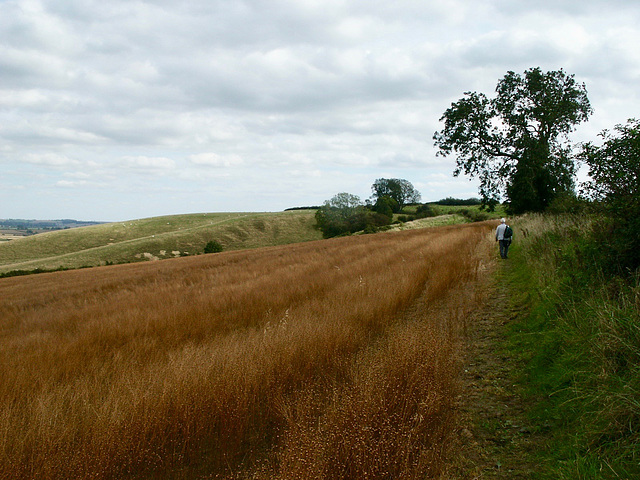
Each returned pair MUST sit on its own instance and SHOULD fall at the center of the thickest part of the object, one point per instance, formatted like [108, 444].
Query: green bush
[425, 211]
[567, 203]
[386, 206]
[361, 220]
[474, 215]
[213, 247]
[615, 171]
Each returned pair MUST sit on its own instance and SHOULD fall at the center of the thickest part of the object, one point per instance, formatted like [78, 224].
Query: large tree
[516, 144]
[399, 189]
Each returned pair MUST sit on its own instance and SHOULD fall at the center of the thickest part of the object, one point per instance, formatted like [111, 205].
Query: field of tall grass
[309, 361]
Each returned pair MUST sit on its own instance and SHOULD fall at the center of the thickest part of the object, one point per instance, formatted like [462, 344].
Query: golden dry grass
[286, 362]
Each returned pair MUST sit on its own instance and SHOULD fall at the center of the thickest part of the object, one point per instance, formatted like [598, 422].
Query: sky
[123, 109]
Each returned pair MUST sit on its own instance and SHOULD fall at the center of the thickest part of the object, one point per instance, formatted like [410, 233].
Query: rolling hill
[155, 238]
[169, 236]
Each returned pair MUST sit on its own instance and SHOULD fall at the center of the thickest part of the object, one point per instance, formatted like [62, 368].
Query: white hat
[502, 220]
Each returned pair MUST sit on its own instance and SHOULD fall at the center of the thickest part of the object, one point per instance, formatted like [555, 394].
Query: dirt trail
[495, 438]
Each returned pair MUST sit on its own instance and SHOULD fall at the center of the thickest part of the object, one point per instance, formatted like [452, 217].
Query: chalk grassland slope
[440, 220]
[288, 362]
[155, 238]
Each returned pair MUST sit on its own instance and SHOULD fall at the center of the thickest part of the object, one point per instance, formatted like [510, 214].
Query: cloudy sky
[122, 109]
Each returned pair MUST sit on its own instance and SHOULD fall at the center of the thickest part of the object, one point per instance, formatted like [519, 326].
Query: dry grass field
[333, 359]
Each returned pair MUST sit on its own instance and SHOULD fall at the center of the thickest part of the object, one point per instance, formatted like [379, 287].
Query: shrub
[424, 211]
[567, 203]
[615, 170]
[213, 247]
[340, 215]
[386, 206]
[474, 215]
[360, 220]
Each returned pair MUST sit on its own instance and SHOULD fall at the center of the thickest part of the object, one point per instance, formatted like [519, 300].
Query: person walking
[504, 234]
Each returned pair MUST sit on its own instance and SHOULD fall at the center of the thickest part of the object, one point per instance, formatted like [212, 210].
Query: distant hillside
[13, 228]
[155, 238]
[22, 224]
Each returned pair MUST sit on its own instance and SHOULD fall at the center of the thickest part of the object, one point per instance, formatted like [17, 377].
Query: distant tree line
[22, 224]
[302, 208]
[450, 201]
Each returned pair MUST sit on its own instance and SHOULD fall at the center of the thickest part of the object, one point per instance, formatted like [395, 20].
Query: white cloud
[215, 160]
[50, 160]
[148, 164]
[220, 100]
[70, 183]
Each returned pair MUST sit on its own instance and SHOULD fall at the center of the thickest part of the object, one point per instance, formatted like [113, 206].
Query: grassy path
[495, 439]
[549, 386]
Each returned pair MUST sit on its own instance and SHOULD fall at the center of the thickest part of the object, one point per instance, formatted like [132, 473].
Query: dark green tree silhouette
[614, 168]
[517, 143]
[399, 189]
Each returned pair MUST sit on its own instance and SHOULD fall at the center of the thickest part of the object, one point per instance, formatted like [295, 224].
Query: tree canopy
[517, 144]
[614, 168]
[343, 204]
[399, 189]
[337, 215]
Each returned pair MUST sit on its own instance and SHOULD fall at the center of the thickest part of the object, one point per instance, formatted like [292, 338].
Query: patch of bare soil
[495, 439]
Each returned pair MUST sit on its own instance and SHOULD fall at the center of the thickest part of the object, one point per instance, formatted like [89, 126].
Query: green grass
[156, 237]
[440, 220]
[579, 348]
[451, 209]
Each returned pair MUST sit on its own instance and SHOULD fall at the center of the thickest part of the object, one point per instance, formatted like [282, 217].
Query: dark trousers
[504, 248]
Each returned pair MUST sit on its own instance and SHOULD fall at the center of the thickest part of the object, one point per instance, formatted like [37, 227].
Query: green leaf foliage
[213, 247]
[399, 189]
[614, 168]
[516, 144]
[578, 340]
[345, 214]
